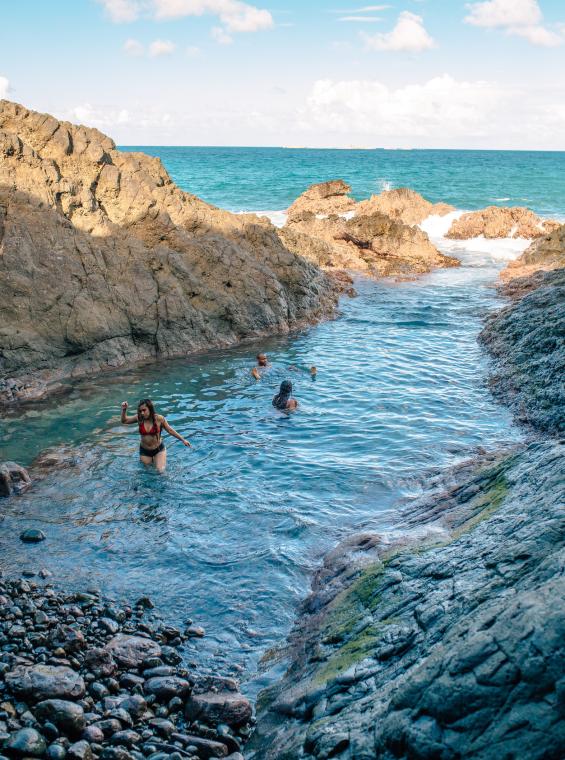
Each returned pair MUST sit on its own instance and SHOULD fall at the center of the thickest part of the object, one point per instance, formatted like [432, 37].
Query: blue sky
[410, 73]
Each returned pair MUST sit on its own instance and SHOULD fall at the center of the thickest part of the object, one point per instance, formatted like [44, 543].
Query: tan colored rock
[104, 261]
[375, 244]
[500, 222]
[404, 204]
[325, 198]
[543, 255]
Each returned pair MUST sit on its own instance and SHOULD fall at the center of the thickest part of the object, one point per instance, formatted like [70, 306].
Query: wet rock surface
[73, 687]
[446, 643]
[14, 479]
[527, 340]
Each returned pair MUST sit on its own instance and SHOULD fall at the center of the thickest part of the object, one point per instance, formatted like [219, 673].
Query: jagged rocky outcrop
[104, 261]
[375, 244]
[404, 204]
[500, 222]
[376, 237]
[447, 641]
[331, 197]
[544, 254]
[527, 338]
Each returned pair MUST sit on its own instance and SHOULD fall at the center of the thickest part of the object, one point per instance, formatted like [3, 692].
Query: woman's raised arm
[126, 419]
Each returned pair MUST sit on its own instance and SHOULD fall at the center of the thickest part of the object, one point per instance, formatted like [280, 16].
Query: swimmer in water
[283, 400]
[151, 425]
[262, 363]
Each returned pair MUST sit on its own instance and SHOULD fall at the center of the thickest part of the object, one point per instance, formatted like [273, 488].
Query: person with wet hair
[262, 363]
[283, 400]
[151, 425]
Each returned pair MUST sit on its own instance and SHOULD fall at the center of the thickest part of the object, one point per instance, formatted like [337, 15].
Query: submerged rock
[32, 536]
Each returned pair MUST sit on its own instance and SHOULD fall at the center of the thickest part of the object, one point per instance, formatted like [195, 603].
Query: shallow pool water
[229, 535]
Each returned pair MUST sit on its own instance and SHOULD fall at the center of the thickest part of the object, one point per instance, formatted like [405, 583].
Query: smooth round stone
[127, 738]
[166, 687]
[93, 735]
[42, 682]
[130, 651]
[56, 752]
[32, 536]
[79, 751]
[27, 742]
[67, 716]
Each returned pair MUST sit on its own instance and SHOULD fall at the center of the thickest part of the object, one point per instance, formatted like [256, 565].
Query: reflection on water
[229, 534]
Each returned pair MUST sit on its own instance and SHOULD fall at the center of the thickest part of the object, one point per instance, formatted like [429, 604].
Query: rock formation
[404, 204]
[446, 646]
[105, 262]
[13, 478]
[374, 244]
[326, 198]
[544, 254]
[500, 222]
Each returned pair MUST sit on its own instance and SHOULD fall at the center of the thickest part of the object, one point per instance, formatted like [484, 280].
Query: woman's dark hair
[149, 404]
[282, 397]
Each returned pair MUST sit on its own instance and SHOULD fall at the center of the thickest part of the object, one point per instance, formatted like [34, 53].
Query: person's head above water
[282, 398]
[262, 360]
[145, 410]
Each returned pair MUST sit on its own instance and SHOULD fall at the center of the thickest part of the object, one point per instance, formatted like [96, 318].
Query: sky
[323, 73]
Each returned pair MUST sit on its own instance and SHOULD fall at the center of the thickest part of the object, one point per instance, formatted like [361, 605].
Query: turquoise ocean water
[259, 179]
[231, 533]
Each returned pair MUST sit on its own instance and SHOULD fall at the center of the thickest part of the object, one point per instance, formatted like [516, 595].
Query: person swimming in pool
[151, 425]
[283, 400]
[262, 363]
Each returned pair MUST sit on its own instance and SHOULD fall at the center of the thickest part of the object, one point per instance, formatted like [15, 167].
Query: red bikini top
[154, 430]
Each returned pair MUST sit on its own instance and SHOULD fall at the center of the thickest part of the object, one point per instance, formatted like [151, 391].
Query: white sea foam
[478, 251]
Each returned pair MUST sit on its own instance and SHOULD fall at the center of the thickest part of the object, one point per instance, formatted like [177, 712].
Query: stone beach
[86, 677]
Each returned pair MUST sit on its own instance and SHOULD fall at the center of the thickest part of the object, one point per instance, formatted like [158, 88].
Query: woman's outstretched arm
[171, 431]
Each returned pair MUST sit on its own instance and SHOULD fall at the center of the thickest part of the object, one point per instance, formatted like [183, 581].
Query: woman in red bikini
[152, 449]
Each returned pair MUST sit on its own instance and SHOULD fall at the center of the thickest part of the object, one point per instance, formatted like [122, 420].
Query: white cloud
[236, 16]
[121, 11]
[4, 87]
[537, 35]
[161, 47]
[133, 47]
[515, 17]
[504, 13]
[441, 106]
[409, 34]
[220, 35]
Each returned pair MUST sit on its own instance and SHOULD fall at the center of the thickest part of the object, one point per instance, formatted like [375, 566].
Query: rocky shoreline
[85, 677]
[447, 640]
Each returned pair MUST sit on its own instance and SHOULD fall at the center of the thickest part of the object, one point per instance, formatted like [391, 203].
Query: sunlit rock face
[104, 261]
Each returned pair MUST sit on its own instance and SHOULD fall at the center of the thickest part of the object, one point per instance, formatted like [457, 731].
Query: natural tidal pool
[229, 535]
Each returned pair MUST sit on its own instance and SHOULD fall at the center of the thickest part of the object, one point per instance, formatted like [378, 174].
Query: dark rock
[127, 738]
[67, 716]
[40, 682]
[116, 753]
[80, 751]
[93, 735]
[219, 707]
[166, 687]
[130, 651]
[56, 751]
[27, 742]
[32, 536]
[100, 662]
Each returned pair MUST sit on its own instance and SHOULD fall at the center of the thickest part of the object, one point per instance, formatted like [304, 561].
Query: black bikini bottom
[143, 452]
